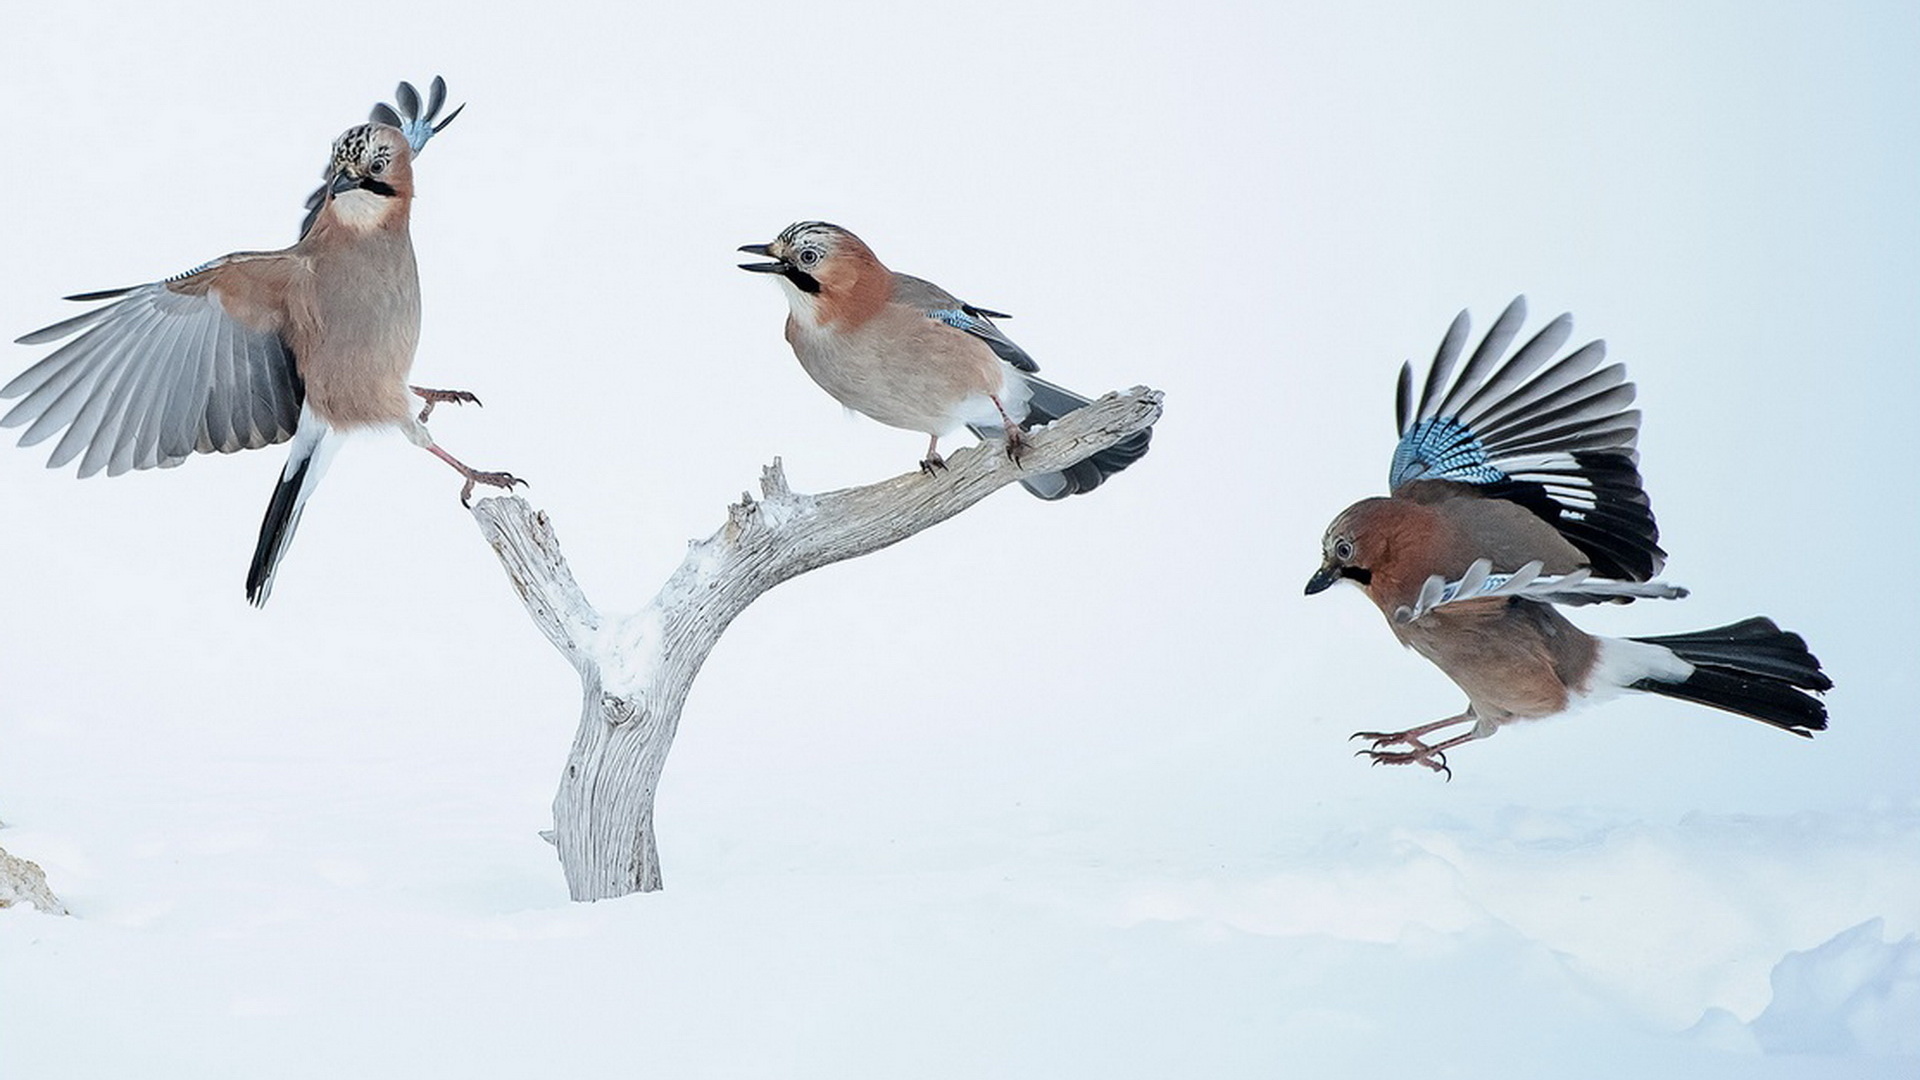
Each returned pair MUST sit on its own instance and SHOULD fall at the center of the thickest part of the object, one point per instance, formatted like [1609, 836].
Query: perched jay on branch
[305, 343]
[908, 354]
[1515, 488]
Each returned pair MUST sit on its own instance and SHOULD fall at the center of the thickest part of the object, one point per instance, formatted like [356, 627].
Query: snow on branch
[635, 671]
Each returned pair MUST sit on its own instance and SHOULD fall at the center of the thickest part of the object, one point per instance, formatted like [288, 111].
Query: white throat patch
[804, 305]
[361, 210]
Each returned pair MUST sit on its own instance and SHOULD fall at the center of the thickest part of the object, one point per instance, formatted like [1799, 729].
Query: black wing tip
[1618, 534]
[100, 294]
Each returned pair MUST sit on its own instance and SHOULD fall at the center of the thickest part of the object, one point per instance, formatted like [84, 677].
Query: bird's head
[370, 174]
[1354, 545]
[816, 262]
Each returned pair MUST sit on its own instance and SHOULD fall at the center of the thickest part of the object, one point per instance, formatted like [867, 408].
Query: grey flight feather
[153, 378]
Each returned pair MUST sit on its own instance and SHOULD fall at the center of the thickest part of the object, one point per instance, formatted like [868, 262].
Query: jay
[905, 352]
[1515, 488]
[306, 343]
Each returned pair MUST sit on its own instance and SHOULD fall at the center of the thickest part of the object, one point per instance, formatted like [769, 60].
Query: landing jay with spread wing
[306, 343]
[1515, 487]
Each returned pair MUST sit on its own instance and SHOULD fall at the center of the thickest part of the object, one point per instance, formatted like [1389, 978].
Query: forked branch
[636, 670]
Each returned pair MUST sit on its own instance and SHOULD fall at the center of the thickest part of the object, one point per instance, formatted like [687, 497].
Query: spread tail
[1752, 668]
[1049, 403]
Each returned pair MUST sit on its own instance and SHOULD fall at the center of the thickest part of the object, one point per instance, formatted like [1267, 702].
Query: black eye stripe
[1355, 573]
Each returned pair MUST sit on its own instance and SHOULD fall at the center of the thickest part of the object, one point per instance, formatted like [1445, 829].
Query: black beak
[340, 182]
[1324, 580]
[776, 267]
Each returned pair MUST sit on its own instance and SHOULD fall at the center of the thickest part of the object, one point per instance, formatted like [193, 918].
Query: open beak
[775, 267]
[1327, 577]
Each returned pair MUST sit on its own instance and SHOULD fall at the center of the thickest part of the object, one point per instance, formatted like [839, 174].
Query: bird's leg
[1418, 752]
[1016, 439]
[474, 476]
[933, 461]
[438, 397]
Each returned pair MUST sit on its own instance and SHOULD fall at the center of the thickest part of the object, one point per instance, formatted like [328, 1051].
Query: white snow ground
[272, 901]
[907, 830]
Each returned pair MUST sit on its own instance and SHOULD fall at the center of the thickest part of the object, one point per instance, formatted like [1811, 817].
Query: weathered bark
[22, 881]
[635, 670]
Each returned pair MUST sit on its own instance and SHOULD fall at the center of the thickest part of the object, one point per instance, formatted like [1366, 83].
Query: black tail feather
[1752, 668]
[276, 532]
[1050, 403]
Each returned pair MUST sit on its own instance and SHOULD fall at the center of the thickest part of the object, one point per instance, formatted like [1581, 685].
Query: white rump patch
[1620, 663]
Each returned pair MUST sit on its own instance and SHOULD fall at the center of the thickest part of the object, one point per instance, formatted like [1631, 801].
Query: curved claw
[1435, 760]
[1016, 445]
[442, 397]
[491, 479]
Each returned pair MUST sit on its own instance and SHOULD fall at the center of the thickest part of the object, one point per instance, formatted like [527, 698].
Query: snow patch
[630, 651]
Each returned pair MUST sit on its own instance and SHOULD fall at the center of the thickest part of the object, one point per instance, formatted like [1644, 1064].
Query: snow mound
[1855, 994]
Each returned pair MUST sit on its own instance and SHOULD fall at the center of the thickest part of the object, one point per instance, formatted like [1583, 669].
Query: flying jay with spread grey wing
[1515, 488]
[905, 352]
[306, 343]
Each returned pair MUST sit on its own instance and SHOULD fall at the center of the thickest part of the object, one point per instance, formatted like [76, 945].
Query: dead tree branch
[636, 670]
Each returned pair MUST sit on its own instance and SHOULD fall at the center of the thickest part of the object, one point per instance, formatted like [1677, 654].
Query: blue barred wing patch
[1442, 448]
[974, 320]
[958, 319]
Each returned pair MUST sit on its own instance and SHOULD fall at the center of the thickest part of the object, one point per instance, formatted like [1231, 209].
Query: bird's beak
[339, 182]
[774, 267]
[1327, 577]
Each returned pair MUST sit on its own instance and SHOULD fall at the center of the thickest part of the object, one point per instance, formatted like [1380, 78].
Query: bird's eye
[809, 256]
[1343, 549]
[379, 167]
